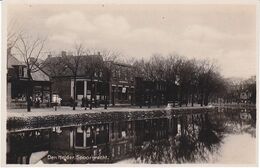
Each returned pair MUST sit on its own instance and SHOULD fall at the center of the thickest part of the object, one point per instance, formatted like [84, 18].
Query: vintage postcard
[124, 83]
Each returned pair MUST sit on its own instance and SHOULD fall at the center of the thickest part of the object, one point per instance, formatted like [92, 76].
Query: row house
[100, 79]
[122, 87]
[20, 86]
[149, 92]
[96, 80]
[89, 84]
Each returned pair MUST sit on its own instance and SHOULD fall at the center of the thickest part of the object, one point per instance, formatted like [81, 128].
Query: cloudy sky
[223, 33]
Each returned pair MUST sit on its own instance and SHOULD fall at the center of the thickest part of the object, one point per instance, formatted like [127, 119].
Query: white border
[3, 69]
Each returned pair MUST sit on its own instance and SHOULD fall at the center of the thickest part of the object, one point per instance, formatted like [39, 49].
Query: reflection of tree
[211, 132]
[191, 146]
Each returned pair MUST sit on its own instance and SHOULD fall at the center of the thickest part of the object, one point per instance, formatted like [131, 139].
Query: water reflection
[198, 136]
[179, 138]
[200, 139]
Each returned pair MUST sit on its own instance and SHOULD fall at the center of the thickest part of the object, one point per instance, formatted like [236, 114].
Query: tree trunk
[28, 99]
[180, 100]
[105, 92]
[192, 99]
[113, 96]
[201, 99]
[158, 99]
[91, 94]
[28, 93]
[74, 93]
[206, 99]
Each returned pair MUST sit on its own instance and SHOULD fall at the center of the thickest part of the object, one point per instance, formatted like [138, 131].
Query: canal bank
[19, 120]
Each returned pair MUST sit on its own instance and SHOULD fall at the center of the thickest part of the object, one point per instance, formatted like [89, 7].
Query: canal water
[228, 137]
[222, 136]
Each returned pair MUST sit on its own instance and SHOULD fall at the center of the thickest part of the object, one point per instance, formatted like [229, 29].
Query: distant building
[242, 92]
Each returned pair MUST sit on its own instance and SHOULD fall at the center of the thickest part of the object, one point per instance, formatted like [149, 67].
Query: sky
[223, 33]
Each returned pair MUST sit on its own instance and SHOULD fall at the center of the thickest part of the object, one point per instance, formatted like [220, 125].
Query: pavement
[65, 110]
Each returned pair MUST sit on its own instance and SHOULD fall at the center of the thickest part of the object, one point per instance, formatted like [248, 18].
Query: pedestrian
[87, 102]
[59, 101]
[37, 101]
[83, 101]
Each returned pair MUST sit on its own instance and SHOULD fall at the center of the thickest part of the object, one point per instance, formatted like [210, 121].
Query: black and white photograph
[130, 83]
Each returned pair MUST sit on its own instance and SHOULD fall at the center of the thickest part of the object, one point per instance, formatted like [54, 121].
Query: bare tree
[12, 34]
[186, 79]
[72, 63]
[31, 51]
[110, 55]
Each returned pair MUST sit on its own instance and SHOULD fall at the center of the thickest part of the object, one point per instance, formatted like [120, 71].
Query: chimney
[49, 55]
[98, 53]
[63, 53]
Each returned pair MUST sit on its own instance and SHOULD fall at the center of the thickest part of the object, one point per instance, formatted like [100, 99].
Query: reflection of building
[102, 142]
[19, 85]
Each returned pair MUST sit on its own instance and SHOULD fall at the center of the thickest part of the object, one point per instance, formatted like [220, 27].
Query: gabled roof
[36, 76]
[56, 67]
[40, 76]
[12, 61]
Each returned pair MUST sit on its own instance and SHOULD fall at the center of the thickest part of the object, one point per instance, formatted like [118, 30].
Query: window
[80, 87]
[89, 136]
[25, 72]
[119, 74]
[119, 130]
[118, 150]
[113, 152]
[21, 72]
[124, 148]
[112, 130]
[97, 131]
[130, 128]
[79, 137]
[89, 86]
[129, 125]
[98, 136]
[124, 93]
[130, 146]
[88, 133]
[119, 93]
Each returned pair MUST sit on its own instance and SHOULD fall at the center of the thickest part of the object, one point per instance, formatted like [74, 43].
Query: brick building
[89, 83]
[122, 87]
[150, 92]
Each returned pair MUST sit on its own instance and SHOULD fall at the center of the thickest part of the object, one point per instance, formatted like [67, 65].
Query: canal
[217, 135]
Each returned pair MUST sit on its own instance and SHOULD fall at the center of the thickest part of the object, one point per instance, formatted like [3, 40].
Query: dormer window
[25, 72]
[21, 71]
